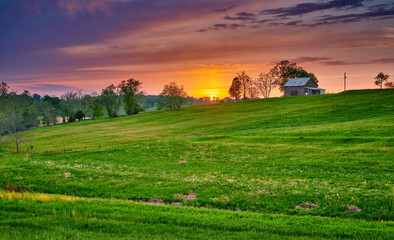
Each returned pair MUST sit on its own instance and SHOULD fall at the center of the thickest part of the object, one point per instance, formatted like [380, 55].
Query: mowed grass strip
[58, 218]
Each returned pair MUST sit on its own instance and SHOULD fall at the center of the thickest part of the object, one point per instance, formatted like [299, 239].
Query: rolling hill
[295, 167]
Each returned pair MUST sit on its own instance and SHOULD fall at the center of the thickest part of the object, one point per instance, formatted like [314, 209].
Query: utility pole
[344, 81]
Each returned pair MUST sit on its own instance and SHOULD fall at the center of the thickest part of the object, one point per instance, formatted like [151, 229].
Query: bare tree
[380, 78]
[253, 90]
[265, 83]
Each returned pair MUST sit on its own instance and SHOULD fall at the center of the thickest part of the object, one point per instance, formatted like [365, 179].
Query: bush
[137, 109]
[71, 118]
[79, 115]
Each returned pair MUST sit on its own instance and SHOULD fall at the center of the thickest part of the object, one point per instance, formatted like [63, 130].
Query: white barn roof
[295, 82]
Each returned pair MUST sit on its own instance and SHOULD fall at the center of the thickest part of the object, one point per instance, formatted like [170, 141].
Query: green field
[315, 167]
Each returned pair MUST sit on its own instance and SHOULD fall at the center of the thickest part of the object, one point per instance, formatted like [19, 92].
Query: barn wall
[294, 91]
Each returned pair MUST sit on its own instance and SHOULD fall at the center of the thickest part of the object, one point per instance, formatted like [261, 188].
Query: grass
[289, 162]
[60, 218]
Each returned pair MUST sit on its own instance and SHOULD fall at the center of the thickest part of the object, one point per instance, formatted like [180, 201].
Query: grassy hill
[309, 167]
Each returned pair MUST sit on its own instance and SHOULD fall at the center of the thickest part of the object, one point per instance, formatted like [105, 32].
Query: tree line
[20, 112]
[244, 87]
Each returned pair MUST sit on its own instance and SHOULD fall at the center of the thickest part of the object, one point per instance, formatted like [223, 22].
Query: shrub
[79, 115]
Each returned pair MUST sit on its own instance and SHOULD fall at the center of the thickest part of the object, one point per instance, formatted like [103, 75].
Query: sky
[54, 46]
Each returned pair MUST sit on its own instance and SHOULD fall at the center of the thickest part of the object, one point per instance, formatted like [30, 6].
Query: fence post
[99, 146]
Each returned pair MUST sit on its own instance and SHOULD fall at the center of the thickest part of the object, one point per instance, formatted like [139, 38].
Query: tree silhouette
[389, 85]
[235, 89]
[4, 88]
[380, 78]
[245, 81]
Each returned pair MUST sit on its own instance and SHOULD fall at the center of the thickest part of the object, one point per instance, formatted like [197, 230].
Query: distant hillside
[272, 114]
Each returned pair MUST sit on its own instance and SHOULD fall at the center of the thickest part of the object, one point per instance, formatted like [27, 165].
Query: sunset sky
[53, 46]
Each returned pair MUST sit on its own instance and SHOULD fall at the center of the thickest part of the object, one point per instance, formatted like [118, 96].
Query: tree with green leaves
[79, 115]
[69, 102]
[87, 104]
[138, 108]
[48, 109]
[97, 108]
[130, 90]
[17, 114]
[380, 78]
[285, 70]
[110, 100]
[172, 97]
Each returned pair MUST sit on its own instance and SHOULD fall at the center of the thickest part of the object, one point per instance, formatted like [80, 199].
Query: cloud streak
[373, 61]
[51, 87]
[222, 10]
[346, 12]
[305, 8]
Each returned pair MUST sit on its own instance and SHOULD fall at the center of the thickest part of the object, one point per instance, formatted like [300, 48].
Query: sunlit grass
[37, 196]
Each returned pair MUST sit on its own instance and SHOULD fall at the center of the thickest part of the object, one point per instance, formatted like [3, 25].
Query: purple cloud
[304, 8]
[221, 10]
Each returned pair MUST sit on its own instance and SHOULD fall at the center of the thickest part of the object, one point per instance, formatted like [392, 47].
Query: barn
[302, 86]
